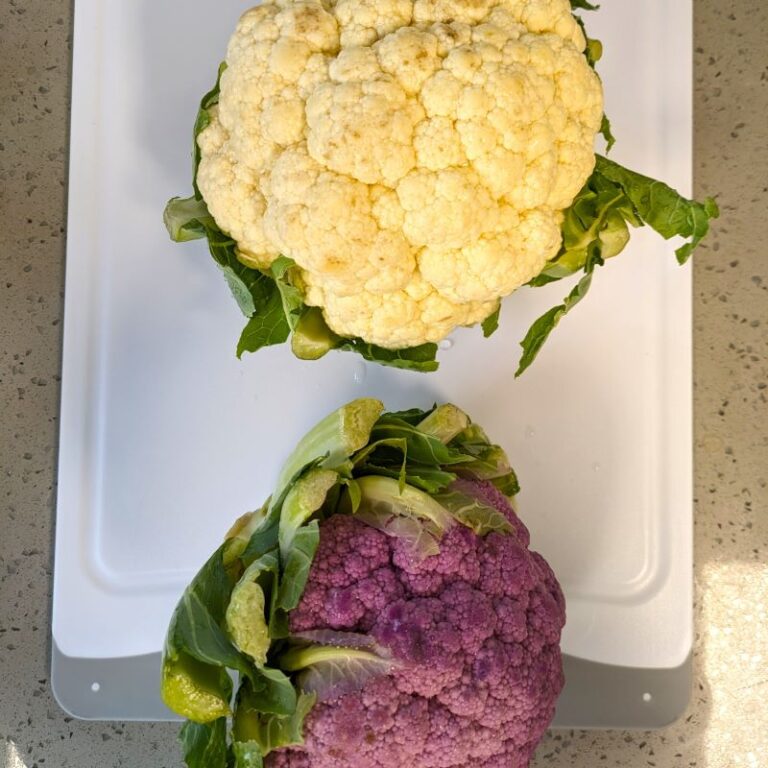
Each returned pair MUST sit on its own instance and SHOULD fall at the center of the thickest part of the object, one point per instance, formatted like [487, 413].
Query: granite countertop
[727, 721]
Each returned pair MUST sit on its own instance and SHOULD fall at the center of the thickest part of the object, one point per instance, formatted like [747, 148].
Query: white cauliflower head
[412, 157]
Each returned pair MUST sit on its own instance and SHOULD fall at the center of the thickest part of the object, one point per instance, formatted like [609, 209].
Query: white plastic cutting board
[166, 437]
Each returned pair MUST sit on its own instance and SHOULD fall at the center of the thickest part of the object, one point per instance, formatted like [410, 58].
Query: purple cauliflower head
[475, 630]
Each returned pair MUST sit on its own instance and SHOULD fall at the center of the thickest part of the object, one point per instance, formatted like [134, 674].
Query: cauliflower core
[412, 157]
[476, 629]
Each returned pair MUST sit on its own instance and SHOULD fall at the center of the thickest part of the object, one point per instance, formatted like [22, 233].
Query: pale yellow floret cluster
[412, 157]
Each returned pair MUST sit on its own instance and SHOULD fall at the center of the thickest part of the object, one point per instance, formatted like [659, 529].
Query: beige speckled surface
[727, 722]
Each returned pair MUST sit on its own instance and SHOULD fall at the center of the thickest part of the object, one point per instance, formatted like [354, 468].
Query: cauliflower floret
[475, 630]
[413, 157]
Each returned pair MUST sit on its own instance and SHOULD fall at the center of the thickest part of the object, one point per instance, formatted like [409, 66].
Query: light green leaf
[403, 513]
[445, 422]
[330, 442]
[312, 338]
[473, 513]
[200, 692]
[187, 219]
[246, 615]
[305, 497]
[247, 754]
[240, 290]
[354, 493]
[331, 671]
[490, 462]
[292, 298]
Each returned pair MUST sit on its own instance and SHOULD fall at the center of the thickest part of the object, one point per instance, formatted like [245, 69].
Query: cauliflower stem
[396, 496]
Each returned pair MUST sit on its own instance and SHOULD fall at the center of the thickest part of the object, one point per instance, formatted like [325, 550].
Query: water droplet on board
[596, 467]
[530, 432]
[359, 372]
[446, 344]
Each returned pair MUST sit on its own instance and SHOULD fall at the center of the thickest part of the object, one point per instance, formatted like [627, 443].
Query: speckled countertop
[727, 721]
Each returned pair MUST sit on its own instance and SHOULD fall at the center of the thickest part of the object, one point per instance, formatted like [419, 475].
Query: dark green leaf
[412, 416]
[605, 130]
[195, 633]
[268, 326]
[661, 207]
[422, 448]
[399, 444]
[491, 323]
[263, 539]
[205, 745]
[200, 636]
[490, 461]
[541, 328]
[253, 290]
[313, 338]
[195, 626]
[583, 5]
[278, 623]
[296, 567]
[273, 692]
[421, 358]
[595, 228]
[269, 732]
[429, 479]
[426, 478]
[392, 451]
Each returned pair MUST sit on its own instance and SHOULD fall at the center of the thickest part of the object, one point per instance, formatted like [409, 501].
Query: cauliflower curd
[412, 157]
